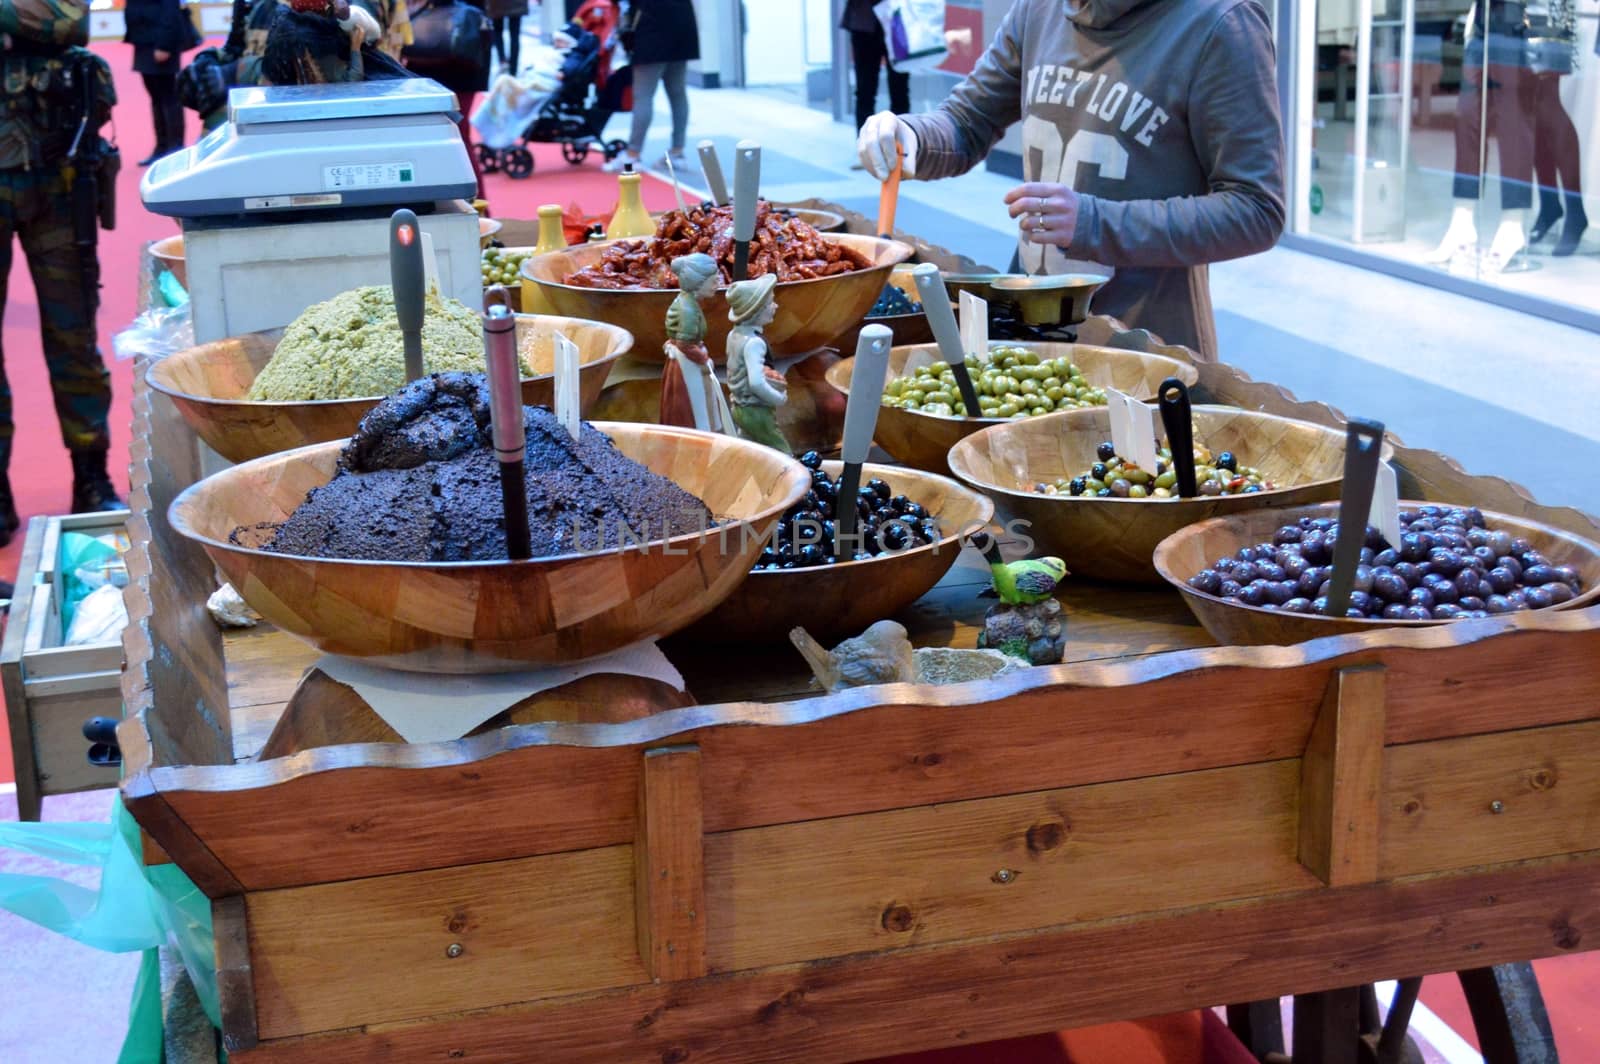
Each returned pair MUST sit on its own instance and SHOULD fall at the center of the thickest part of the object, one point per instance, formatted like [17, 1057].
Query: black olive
[1445, 562]
[1447, 611]
[1468, 582]
[768, 556]
[880, 488]
[1443, 591]
[789, 563]
[1298, 604]
[811, 554]
[811, 460]
[1417, 613]
[1394, 612]
[1230, 588]
[930, 530]
[917, 510]
[1287, 534]
[1501, 580]
[1254, 593]
[860, 556]
[894, 536]
[899, 503]
[1077, 485]
[1470, 602]
[1408, 572]
[1412, 548]
[1539, 575]
[1244, 572]
[1099, 472]
[1308, 582]
[1540, 597]
[1390, 587]
[1559, 593]
[1361, 602]
[1363, 578]
[1106, 451]
[1509, 562]
[1386, 557]
[1421, 596]
[1267, 570]
[1227, 461]
[1103, 493]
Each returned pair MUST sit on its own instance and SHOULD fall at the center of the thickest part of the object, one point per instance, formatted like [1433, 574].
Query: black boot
[91, 484]
[1572, 232]
[9, 522]
[1549, 214]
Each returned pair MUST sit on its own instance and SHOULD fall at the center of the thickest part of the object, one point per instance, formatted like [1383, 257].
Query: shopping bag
[913, 33]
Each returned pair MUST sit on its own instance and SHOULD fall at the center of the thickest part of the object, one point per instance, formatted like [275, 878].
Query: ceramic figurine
[1027, 623]
[691, 398]
[757, 389]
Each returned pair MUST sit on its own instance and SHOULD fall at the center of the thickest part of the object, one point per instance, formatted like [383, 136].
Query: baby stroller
[576, 113]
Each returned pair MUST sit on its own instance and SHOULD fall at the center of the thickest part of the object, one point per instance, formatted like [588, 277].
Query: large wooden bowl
[924, 440]
[169, 252]
[1113, 539]
[811, 314]
[1185, 553]
[904, 329]
[208, 384]
[839, 600]
[468, 617]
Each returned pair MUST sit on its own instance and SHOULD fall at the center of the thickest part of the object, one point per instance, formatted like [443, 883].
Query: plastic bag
[914, 33]
[506, 111]
[99, 618]
[89, 563]
[157, 333]
[134, 908]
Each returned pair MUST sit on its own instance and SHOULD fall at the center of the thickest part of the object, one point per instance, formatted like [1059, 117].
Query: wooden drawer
[51, 689]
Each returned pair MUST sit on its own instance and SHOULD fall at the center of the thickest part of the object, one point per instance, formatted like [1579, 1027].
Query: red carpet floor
[41, 479]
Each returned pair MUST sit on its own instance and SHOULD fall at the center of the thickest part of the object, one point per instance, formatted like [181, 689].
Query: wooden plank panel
[236, 993]
[669, 865]
[1507, 797]
[1340, 779]
[340, 954]
[987, 867]
[926, 997]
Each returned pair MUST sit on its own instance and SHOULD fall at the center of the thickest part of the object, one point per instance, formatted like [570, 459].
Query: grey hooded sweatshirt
[1161, 114]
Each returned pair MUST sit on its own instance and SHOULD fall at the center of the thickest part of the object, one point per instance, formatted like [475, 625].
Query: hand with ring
[1046, 214]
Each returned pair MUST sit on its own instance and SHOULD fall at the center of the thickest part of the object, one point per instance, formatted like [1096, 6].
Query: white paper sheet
[428, 708]
[1133, 431]
[1385, 514]
[974, 324]
[566, 387]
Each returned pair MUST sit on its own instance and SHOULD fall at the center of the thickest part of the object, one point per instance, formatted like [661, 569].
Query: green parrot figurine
[1019, 583]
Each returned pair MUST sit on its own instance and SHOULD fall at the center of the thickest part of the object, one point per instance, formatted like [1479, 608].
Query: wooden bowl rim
[984, 504]
[1249, 501]
[896, 252]
[834, 372]
[168, 248]
[1165, 548]
[152, 376]
[798, 476]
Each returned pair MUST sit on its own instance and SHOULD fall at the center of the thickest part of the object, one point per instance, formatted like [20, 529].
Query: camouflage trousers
[36, 206]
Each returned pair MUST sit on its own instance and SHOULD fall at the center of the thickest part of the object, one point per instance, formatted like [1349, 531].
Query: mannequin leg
[1462, 233]
[1459, 237]
[1558, 137]
[1512, 104]
[1545, 169]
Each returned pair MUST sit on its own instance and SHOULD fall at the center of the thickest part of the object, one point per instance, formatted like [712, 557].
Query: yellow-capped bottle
[630, 217]
[552, 237]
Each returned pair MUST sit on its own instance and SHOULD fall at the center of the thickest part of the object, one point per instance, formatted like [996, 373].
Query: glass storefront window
[1453, 135]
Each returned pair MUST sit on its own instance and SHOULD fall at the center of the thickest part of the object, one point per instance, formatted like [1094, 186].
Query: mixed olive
[1011, 382]
[1115, 476]
[1448, 564]
[893, 302]
[886, 523]
[503, 265]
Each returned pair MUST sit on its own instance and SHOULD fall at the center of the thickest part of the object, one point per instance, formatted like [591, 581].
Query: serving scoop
[1178, 419]
[506, 427]
[1363, 447]
[406, 278]
[860, 419]
[936, 305]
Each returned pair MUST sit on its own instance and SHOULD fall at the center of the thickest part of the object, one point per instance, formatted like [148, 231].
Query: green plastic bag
[84, 562]
[134, 908]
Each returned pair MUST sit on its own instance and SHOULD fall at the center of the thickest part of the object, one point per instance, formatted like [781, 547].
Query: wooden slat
[236, 993]
[991, 866]
[1340, 779]
[865, 750]
[170, 840]
[926, 997]
[669, 865]
[407, 946]
[1516, 795]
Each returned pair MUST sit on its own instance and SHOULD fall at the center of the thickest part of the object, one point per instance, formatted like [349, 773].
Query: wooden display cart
[773, 875]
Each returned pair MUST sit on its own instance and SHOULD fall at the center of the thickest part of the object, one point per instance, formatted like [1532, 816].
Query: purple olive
[1568, 575]
[1539, 598]
[1230, 588]
[1409, 573]
[1421, 596]
[1293, 566]
[1279, 592]
[1270, 571]
[1411, 548]
[1389, 587]
[1322, 524]
[1422, 524]
[1446, 611]
[1298, 604]
[1497, 604]
[1530, 558]
[1559, 593]
[1394, 611]
[1506, 561]
[1539, 575]
[1254, 594]
[1445, 561]
[1354, 614]
[1247, 554]
[1470, 602]
[1385, 558]
[1244, 572]
[1325, 587]
[1288, 534]
[1417, 613]
[1314, 547]
[1365, 555]
[1319, 605]
[1485, 556]
[1520, 546]
[1501, 579]
[1207, 580]
[1478, 537]
[1443, 591]
[1361, 602]
[1308, 582]
[1467, 582]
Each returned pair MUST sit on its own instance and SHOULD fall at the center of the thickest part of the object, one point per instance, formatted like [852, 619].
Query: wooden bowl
[840, 600]
[468, 617]
[1184, 553]
[905, 329]
[208, 384]
[811, 314]
[1114, 539]
[488, 228]
[169, 252]
[924, 440]
[821, 221]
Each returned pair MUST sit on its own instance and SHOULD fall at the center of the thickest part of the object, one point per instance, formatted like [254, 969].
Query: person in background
[507, 16]
[1151, 146]
[160, 32]
[870, 51]
[452, 44]
[57, 179]
[661, 37]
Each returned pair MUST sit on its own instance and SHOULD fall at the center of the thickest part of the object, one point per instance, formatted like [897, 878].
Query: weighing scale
[287, 204]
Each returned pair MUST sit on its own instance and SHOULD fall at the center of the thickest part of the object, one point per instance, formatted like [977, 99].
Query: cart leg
[1327, 1027]
[1259, 1025]
[1388, 1042]
[1509, 1015]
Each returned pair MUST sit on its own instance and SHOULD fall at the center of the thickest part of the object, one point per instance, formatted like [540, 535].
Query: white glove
[876, 145]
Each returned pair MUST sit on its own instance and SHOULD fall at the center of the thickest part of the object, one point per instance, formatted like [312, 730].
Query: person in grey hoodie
[1151, 146]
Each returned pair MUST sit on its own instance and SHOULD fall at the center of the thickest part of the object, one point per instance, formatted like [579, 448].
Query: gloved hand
[876, 145]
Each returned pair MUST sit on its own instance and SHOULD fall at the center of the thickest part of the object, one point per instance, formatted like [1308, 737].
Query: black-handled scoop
[1363, 447]
[406, 277]
[507, 429]
[942, 320]
[1178, 420]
